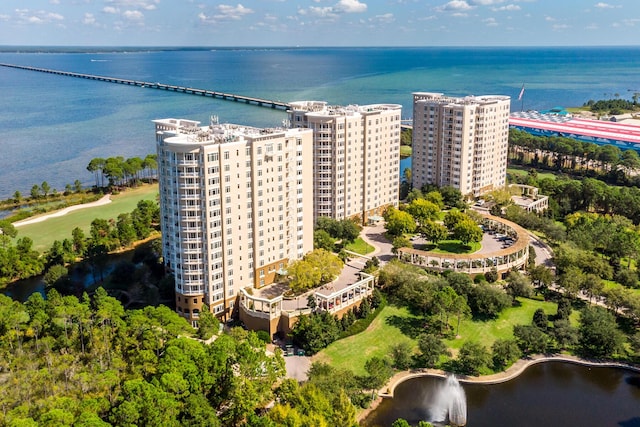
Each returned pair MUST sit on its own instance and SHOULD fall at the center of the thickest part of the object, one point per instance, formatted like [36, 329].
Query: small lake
[548, 394]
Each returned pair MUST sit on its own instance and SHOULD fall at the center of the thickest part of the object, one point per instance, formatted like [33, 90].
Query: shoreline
[515, 370]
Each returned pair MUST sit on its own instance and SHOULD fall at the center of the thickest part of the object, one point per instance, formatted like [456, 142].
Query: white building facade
[235, 205]
[460, 142]
[356, 157]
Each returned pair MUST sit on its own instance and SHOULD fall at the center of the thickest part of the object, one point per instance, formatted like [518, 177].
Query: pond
[548, 394]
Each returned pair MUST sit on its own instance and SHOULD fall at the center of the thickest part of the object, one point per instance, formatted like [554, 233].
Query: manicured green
[359, 246]
[44, 233]
[523, 171]
[454, 247]
[352, 352]
[381, 336]
[486, 332]
[609, 284]
[405, 151]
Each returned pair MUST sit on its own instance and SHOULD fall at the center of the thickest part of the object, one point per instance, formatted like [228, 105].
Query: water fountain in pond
[450, 404]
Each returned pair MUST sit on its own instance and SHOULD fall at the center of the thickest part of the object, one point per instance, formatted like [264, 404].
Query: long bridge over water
[155, 85]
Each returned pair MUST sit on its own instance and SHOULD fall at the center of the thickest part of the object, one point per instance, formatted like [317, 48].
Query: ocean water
[52, 126]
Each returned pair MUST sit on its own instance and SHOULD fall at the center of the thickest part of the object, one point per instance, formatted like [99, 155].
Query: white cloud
[549, 18]
[133, 15]
[134, 4]
[560, 27]
[4, 17]
[235, 13]
[54, 1]
[89, 19]
[111, 10]
[350, 6]
[455, 5]
[226, 12]
[631, 22]
[28, 16]
[490, 22]
[508, 7]
[602, 5]
[320, 12]
[486, 2]
[592, 27]
[386, 18]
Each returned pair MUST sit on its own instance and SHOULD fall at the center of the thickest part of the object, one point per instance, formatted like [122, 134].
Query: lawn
[352, 352]
[451, 247]
[486, 332]
[609, 284]
[386, 331]
[44, 233]
[523, 171]
[359, 246]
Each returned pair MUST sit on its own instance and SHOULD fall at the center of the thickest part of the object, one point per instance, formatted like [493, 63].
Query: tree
[472, 358]
[541, 277]
[467, 231]
[436, 198]
[452, 218]
[540, 320]
[504, 353]
[378, 372]
[399, 222]
[207, 323]
[518, 285]
[35, 191]
[350, 230]
[564, 334]
[530, 339]
[423, 210]
[598, 332]
[488, 301]
[400, 242]
[401, 355]
[434, 232]
[431, 349]
[17, 197]
[322, 240]
[452, 197]
[45, 188]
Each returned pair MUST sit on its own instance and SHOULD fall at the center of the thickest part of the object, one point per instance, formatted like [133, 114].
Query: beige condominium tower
[235, 205]
[356, 157]
[460, 142]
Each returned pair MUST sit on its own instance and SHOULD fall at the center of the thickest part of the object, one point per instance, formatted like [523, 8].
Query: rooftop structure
[233, 206]
[356, 157]
[460, 142]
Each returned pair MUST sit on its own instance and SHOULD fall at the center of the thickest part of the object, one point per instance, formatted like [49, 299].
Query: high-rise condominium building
[356, 157]
[460, 142]
[235, 207]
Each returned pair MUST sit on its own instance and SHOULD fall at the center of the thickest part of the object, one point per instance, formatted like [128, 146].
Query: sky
[319, 22]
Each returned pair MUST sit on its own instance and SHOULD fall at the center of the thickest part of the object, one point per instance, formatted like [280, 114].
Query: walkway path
[374, 235]
[103, 201]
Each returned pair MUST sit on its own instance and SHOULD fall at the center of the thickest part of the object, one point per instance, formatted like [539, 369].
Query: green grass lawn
[523, 171]
[486, 332]
[352, 352]
[453, 247]
[360, 246]
[608, 284]
[44, 233]
[386, 331]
